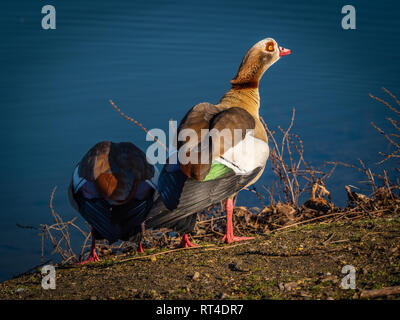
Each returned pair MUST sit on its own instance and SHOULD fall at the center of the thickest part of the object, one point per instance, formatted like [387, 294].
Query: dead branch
[375, 293]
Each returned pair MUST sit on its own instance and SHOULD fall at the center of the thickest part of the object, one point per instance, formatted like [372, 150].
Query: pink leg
[186, 242]
[93, 255]
[139, 248]
[229, 237]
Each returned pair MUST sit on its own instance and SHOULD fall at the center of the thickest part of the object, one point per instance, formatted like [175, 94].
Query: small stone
[153, 293]
[223, 295]
[356, 295]
[238, 266]
[19, 290]
[290, 285]
[196, 276]
[93, 298]
[393, 250]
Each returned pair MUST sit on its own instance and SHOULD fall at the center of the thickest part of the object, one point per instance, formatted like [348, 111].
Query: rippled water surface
[156, 60]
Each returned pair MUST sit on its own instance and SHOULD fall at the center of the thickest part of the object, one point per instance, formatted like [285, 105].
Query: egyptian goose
[113, 187]
[191, 186]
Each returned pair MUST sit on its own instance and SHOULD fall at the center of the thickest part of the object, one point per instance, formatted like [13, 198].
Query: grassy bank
[302, 262]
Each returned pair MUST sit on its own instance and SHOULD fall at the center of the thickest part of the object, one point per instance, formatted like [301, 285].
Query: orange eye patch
[269, 46]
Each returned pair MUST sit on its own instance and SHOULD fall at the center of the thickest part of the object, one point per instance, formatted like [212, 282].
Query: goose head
[256, 61]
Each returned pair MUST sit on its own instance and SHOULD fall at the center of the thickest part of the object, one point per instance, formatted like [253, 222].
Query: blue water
[156, 60]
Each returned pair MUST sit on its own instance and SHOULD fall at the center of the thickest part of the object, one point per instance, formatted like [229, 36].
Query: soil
[301, 262]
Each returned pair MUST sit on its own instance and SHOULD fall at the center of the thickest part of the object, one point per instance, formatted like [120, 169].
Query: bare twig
[138, 124]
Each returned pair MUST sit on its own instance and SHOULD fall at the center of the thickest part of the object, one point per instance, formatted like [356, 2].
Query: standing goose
[112, 187]
[218, 171]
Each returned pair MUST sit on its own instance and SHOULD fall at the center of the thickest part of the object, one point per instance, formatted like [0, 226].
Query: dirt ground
[303, 262]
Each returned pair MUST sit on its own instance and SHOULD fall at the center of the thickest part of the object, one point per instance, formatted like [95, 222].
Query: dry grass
[392, 137]
[58, 234]
[294, 175]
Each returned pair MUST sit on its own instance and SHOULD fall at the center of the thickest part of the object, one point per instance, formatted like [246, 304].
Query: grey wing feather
[196, 196]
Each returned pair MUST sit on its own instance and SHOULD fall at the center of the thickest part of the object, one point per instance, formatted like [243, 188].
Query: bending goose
[219, 170]
[113, 188]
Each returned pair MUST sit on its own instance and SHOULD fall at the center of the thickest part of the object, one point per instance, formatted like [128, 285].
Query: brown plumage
[208, 116]
[115, 169]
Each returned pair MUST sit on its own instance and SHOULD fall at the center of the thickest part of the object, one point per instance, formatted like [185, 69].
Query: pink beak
[284, 52]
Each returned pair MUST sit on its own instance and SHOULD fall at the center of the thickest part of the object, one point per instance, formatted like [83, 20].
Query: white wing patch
[245, 156]
[88, 188]
[77, 181]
